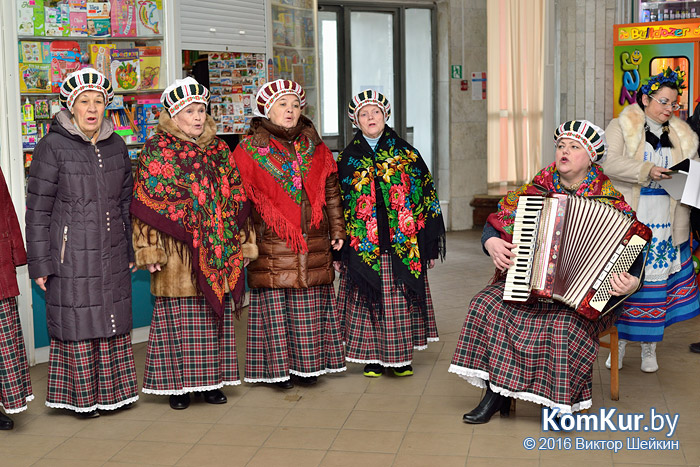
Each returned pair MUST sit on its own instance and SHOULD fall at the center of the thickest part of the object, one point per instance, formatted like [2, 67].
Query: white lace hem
[21, 409]
[423, 347]
[479, 378]
[295, 373]
[379, 362]
[664, 275]
[318, 373]
[180, 392]
[266, 380]
[119, 404]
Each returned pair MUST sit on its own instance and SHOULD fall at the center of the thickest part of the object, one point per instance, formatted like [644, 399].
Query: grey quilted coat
[79, 230]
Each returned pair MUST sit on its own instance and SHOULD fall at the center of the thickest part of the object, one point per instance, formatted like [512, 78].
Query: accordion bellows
[566, 249]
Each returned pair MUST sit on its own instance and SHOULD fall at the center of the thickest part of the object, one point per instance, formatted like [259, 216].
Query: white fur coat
[627, 169]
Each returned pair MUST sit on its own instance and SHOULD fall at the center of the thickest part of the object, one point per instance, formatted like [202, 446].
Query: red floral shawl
[276, 164]
[195, 195]
[547, 180]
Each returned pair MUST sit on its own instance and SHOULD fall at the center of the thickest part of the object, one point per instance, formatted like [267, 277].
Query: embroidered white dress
[669, 294]
[654, 210]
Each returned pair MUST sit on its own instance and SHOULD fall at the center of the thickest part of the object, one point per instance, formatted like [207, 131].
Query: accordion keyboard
[620, 262]
[517, 287]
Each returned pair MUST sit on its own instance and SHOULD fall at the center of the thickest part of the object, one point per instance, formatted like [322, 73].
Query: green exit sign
[456, 71]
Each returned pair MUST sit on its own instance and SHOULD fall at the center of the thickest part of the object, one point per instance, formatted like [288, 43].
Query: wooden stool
[614, 370]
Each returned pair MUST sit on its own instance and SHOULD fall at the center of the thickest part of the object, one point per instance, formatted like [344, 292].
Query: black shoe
[489, 405]
[695, 347]
[91, 414]
[373, 370]
[307, 380]
[215, 396]
[286, 384]
[180, 401]
[6, 422]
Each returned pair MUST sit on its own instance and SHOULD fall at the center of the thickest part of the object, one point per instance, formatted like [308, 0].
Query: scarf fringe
[442, 247]
[320, 194]
[281, 226]
[373, 295]
[368, 291]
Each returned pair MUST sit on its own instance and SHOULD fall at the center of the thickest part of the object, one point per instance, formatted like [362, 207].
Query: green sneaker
[373, 370]
[403, 371]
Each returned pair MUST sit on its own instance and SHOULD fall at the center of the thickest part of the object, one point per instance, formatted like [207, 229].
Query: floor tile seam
[347, 417]
[257, 450]
[55, 447]
[151, 422]
[47, 457]
[330, 445]
[405, 431]
[112, 459]
[267, 438]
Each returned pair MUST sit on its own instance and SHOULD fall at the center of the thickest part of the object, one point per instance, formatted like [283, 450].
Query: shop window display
[294, 48]
[123, 39]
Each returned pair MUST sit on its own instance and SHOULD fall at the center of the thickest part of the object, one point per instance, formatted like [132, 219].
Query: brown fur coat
[176, 278]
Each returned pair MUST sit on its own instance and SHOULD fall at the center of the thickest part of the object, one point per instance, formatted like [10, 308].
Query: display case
[42, 41]
[669, 10]
[122, 39]
[294, 48]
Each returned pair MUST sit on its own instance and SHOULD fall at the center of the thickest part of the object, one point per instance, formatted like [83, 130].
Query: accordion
[566, 249]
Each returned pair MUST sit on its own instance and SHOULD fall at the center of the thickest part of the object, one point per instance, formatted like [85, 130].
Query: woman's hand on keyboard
[500, 252]
[623, 284]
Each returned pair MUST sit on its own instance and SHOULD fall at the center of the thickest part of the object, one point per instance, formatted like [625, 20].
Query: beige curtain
[515, 49]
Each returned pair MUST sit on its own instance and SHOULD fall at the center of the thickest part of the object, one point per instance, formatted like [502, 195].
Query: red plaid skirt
[404, 325]
[93, 374]
[189, 349]
[293, 331]
[539, 352]
[15, 386]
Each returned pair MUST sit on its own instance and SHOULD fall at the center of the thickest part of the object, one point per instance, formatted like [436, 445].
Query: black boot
[215, 396]
[286, 384]
[6, 422]
[179, 401]
[488, 406]
[306, 380]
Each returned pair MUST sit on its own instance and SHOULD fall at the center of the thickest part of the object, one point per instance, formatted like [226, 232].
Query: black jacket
[79, 230]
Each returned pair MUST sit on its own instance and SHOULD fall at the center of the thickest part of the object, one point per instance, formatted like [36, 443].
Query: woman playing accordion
[541, 352]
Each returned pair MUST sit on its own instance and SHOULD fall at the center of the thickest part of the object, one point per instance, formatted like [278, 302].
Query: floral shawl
[276, 165]
[416, 227]
[195, 195]
[596, 184]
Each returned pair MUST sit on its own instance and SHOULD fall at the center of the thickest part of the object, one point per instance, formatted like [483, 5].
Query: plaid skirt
[189, 349]
[292, 331]
[405, 324]
[91, 374]
[539, 352]
[15, 385]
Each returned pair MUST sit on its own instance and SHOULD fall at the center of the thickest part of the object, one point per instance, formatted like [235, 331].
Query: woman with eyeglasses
[645, 140]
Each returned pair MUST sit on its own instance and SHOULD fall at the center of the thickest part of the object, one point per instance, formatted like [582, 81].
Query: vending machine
[645, 49]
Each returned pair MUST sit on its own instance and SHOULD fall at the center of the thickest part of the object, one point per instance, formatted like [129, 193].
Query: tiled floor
[349, 420]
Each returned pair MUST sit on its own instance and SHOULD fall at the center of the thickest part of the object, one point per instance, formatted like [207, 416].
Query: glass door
[331, 82]
[389, 49]
[418, 76]
[372, 57]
